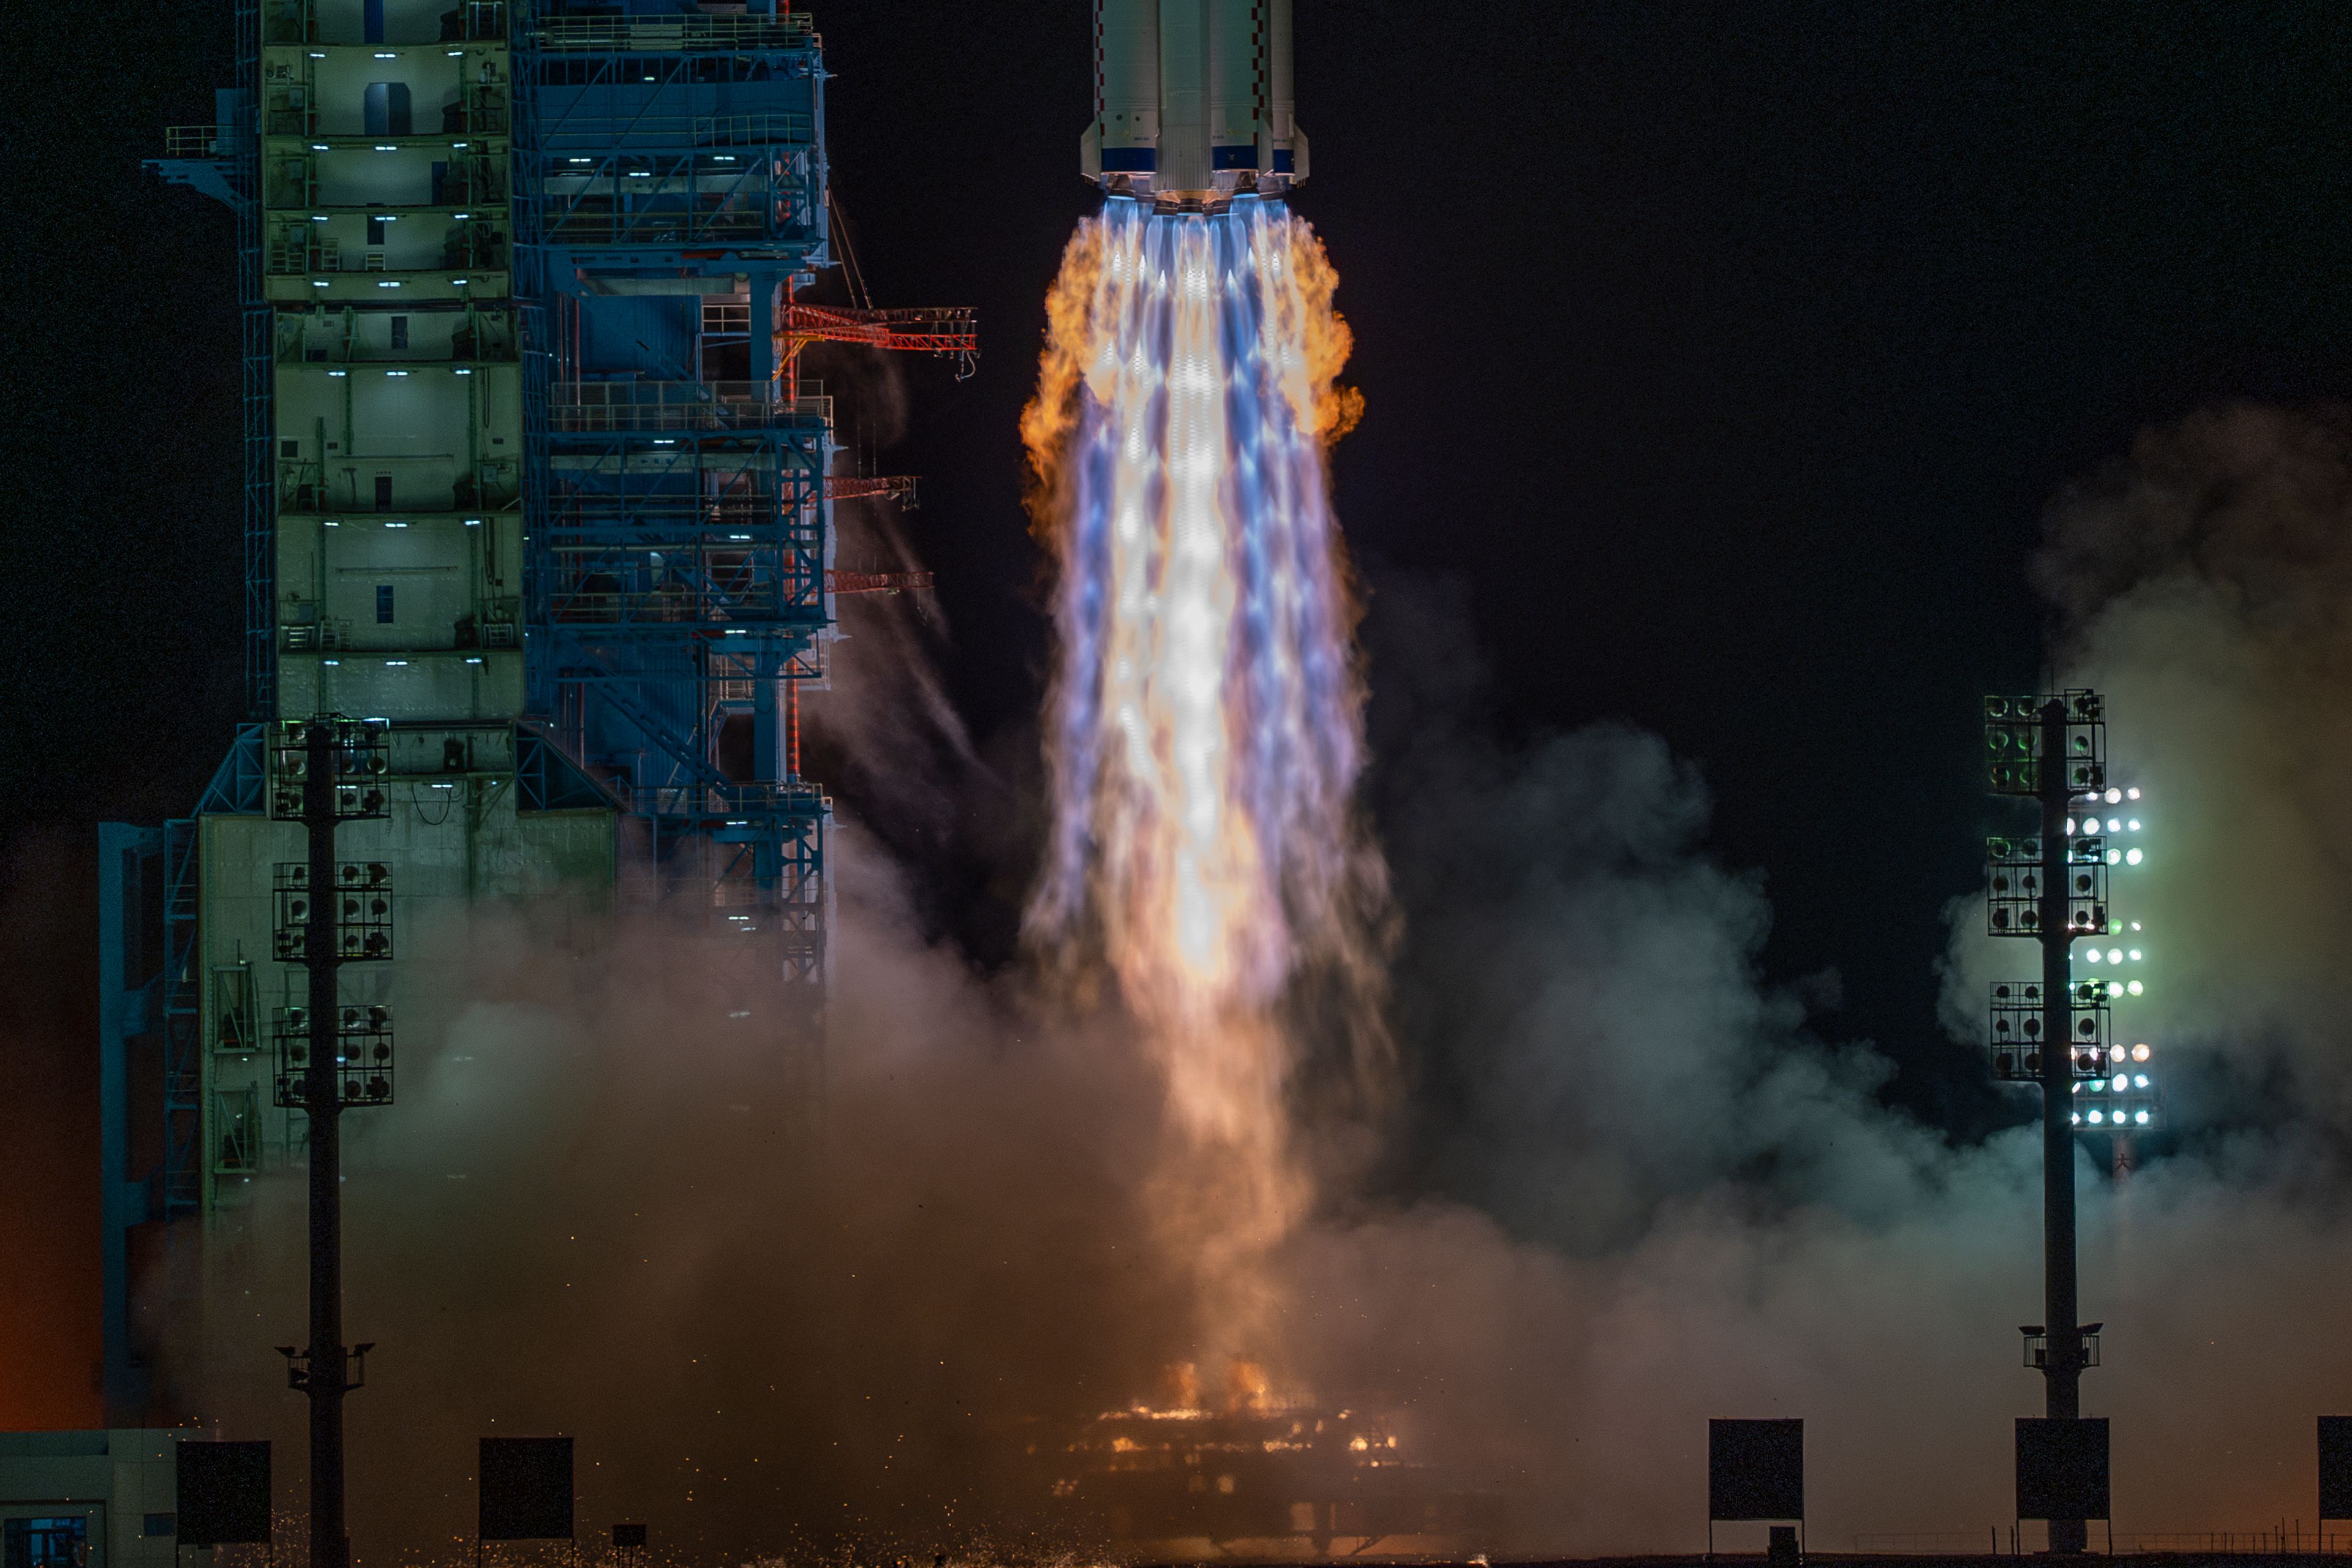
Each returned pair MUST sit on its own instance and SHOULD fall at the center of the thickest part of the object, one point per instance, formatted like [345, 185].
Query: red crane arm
[861, 487]
[937, 331]
[875, 582]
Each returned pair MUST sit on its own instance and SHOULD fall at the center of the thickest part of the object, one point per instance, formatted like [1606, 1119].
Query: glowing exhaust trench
[1204, 729]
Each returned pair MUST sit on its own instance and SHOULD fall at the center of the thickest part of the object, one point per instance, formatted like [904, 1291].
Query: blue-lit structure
[670, 193]
[530, 473]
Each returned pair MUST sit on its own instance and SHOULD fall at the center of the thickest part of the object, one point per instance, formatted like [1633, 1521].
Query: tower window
[384, 603]
[375, 231]
[383, 492]
[400, 332]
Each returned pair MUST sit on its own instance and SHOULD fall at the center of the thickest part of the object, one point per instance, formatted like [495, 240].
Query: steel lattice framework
[677, 524]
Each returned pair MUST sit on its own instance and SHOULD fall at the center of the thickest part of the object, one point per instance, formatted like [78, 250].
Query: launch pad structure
[531, 475]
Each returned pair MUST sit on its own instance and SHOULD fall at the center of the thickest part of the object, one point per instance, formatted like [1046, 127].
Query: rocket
[1192, 102]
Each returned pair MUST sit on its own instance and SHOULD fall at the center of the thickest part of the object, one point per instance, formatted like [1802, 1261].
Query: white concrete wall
[116, 1479]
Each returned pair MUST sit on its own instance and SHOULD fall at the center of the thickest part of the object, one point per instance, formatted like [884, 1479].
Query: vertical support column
[323, 1099]
[128, 857]
[763, 326]
[2062, 1368]
[791, 730]
[771, 700]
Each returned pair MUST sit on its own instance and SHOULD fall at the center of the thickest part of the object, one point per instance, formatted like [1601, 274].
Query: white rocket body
[1194, 101]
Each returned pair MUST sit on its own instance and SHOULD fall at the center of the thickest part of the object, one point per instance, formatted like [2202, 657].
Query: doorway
[387, 109]
[45, 1543]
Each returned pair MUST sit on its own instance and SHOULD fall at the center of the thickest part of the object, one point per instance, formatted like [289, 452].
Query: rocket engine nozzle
[1193, 102]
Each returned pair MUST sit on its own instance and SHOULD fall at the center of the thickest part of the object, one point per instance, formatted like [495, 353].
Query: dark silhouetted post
[323, 1099]
[2062, 1366]
[330, 1053]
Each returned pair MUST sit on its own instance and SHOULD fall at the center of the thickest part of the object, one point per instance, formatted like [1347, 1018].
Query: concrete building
[90, 1500]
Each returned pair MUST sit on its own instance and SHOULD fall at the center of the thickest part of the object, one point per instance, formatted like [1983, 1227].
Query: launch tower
[530, 473]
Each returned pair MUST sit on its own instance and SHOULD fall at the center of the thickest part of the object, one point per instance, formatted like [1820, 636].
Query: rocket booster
[1192, 102]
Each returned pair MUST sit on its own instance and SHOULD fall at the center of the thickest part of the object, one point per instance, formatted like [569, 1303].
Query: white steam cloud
[1633, 1190]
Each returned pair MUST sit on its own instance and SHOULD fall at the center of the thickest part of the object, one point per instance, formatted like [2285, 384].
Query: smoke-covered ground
[1628, 1185]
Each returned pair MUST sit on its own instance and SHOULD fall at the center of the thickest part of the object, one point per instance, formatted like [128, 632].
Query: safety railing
[2243, 1543]
[800, 886]
[296, 22]
[650, 34]
[1936, 1543]
[609, 134]
[742, 802]
[198, 141]
[329, 635]
[2006, 1540]
[628, 406]
[682, 606]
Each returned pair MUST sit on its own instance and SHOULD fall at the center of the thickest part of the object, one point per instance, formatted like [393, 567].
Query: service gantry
[530, 473]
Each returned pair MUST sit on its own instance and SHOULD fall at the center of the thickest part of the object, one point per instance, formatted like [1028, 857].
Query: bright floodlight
[2139, 1080]
[2134, 956]
[2140, 1117]
[2134, 925]
[2097, 1117]
[2092, 956]
[2115, 824]
[2132, 857]
[2134, 987]
[2070, 827]
[2132, 823]
[2139, 1053]
[2114, 795]
[2133, 793]
[2116, 989]
[2117, 1053]
[2121, 1082]
[2115, 955]
[2078, 1118]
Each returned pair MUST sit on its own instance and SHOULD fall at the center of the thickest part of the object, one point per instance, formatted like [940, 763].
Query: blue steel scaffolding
[669, 184]
[667, 196]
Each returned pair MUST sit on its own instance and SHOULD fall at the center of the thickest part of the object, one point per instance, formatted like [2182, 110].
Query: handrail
[616, 136]
[800, 798]
[192, 142]
[477, 21]
[649, 34]
[678, 406]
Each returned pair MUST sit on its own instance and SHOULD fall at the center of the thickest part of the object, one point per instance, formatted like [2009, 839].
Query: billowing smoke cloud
[1630, 1186]
[2205, 584]
[775, 1306]
[1582, 988]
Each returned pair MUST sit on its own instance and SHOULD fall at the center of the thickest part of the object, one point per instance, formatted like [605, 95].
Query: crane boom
[937, 330]
[900, 488]
[874, 581]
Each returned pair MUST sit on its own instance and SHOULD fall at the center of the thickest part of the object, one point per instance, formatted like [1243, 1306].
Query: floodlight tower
[2053, 889]
[329, 771]
[2126, 1104]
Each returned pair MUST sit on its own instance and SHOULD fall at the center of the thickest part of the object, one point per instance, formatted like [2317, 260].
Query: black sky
[1723, 354]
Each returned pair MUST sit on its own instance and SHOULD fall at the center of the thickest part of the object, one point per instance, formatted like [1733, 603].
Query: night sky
[1720, 358]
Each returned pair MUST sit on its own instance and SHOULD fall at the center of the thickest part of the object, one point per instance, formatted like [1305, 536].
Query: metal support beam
[2062, 1368]
[323, 1370]
[130, 878]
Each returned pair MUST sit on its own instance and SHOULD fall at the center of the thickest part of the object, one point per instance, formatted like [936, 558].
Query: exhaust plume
[1204, 725]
